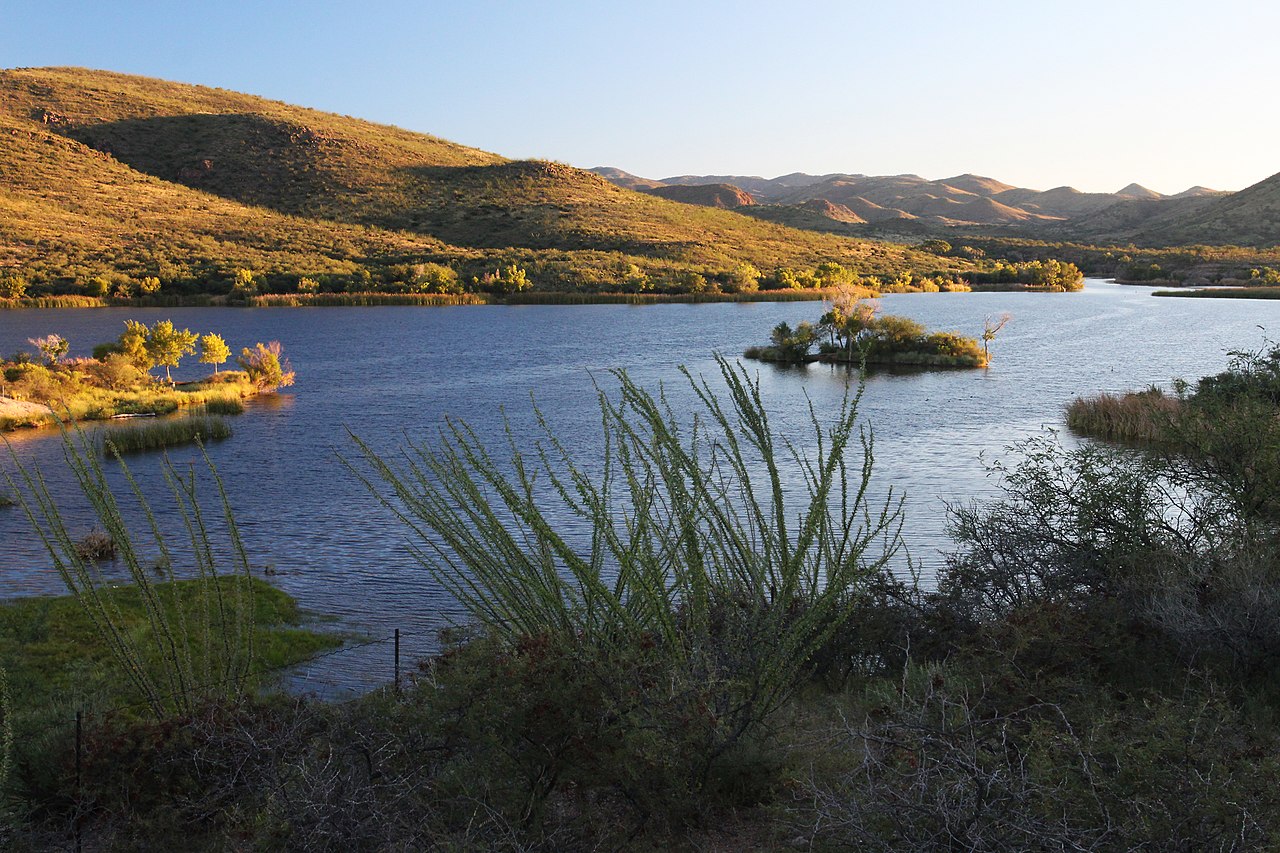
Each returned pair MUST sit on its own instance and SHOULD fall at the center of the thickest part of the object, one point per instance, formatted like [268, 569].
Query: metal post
[79, 752]
[397, 660]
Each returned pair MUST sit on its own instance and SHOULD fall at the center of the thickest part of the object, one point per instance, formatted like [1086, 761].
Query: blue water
[388, 373]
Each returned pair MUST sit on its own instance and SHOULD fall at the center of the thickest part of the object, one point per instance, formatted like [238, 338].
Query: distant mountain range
[855, 203]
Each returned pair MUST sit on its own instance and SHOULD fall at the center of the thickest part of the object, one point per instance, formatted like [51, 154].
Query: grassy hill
[109, 174]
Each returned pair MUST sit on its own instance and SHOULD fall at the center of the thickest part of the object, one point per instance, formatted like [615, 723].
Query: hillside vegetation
[108, 175]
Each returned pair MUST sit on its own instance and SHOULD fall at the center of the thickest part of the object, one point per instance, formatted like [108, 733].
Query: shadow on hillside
[243, 157]
[294, 169]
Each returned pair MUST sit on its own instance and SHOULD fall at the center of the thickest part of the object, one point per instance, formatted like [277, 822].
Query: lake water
[387, 373]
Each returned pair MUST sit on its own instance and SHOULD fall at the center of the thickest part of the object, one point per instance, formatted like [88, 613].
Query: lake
[391, 372]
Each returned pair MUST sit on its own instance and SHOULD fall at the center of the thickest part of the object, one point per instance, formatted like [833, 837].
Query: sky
[1038, 93]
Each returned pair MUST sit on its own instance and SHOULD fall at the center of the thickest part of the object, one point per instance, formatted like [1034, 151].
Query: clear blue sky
[1092, 94]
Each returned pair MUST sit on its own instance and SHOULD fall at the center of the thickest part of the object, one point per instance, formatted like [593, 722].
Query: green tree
[213, 350]
[12, 286]
[436, 278]
[52, 347]
[133, 345]
[308, 285]
[149, 286]
[167, 345]
[744, 278]
[243, 282]
[505, 280]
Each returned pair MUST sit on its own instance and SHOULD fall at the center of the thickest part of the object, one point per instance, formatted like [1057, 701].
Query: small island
[47, 387]
[851, 333]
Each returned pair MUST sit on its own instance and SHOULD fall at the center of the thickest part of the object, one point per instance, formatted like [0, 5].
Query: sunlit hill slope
[102, 171]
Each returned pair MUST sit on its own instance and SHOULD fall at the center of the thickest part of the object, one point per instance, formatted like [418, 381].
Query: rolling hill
[981, 205]
[105, 172]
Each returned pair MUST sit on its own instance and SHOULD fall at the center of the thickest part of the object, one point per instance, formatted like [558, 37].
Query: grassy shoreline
[326, 300]
[1223, 293]
[92, 403]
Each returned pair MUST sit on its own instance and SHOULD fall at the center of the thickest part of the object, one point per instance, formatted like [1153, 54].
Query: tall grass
[227, 406]
[1135, 416]
[160, 434]
[359, 299]
[194, 650]
[567, 298]
[731, 550]
[70, 300]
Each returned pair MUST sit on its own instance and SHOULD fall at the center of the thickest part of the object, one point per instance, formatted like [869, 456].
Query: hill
[111, 174]
[1250, 217]
[976, 204]
[707, 195]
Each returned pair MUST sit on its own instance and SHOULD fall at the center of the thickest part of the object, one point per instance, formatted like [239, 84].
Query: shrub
[693, 566]
[265, 366]
[95, 546]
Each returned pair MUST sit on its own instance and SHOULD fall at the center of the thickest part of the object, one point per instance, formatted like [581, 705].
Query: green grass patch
[161, 434]
[54, 655]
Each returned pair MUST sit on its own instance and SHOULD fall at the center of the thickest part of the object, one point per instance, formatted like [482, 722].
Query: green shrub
[728, 585]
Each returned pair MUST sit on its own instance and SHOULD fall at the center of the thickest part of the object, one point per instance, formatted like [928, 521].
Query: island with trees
[46, 386]
[852, 333]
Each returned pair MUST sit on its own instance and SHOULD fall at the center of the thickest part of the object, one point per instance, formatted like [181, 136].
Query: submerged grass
[1136, 416]
[161, 434]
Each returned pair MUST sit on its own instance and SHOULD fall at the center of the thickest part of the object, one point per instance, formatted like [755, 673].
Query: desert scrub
[703, 580]
[162, 434]
[169, 670]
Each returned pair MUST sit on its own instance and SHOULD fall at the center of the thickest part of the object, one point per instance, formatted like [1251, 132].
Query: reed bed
[297, 300]
[223, 406]
[566, 298]
[69, 300]
[1224, 293]
[161, 434]
[1135, 416]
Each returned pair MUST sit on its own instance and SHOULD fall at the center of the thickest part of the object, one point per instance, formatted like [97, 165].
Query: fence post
[79, 753]
[397, 664]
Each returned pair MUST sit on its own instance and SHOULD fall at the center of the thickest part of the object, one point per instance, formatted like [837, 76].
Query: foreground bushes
[1095, 668]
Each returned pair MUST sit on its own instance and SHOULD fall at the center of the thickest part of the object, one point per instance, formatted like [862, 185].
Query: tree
[993, 325]
[213, 350]
[308, 285]
[133, 345]
[149, 286]
[265, 365]
[793, 344]
[167, 345]
[243, 282]
[13, 286]
[505, 280]
[744, 278]
[52, 347]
